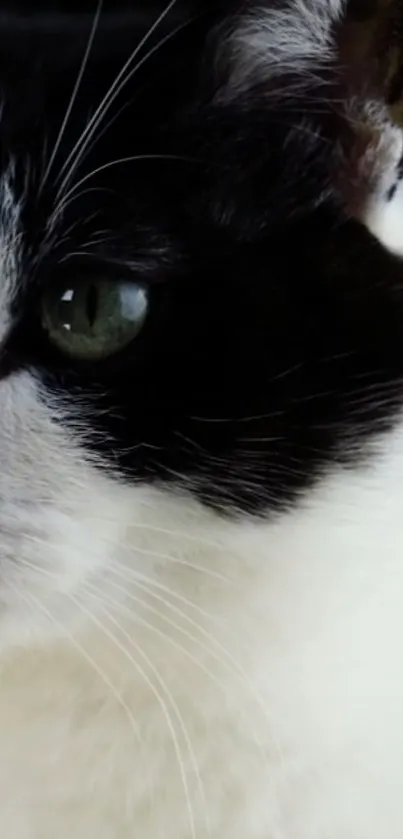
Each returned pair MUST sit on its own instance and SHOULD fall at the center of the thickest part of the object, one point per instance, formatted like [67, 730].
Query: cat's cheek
[63, 520]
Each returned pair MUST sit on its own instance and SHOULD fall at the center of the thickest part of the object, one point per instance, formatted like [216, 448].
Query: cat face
[194, 320]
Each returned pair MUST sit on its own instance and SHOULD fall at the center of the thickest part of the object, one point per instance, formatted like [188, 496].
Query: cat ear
[335, 68]
[370, 56]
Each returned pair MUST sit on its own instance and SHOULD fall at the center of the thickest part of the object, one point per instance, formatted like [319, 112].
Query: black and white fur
[201, 540]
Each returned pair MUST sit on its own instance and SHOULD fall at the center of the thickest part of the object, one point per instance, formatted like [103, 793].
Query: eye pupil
[92, 305]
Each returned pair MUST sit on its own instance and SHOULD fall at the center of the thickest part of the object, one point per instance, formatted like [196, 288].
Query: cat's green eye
[93, 318]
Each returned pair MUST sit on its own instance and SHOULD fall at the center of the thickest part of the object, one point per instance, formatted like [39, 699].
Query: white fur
[385, 221]
[268, 41]
[379, 169]
[165, 672]
[9, 246]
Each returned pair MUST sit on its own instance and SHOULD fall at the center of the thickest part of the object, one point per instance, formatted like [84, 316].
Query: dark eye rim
[91, 265]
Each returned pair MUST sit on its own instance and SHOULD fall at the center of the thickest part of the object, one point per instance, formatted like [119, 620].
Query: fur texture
[267, 40]
[200, 535]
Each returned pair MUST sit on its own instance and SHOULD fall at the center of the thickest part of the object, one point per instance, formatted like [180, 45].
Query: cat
[201, 434]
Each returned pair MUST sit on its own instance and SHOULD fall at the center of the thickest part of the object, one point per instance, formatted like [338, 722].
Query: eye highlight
[93, 318]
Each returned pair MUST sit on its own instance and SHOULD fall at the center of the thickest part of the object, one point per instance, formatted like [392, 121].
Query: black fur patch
[274, 344]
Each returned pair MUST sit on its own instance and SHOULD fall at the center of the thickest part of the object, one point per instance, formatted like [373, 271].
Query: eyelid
[72, 269]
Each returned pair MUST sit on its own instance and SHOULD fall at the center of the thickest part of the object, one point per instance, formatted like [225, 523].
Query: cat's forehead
[85, 95]
[55, 52]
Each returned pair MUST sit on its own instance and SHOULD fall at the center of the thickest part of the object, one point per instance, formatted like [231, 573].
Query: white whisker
[88, 146]
[161, 702]
[101, 604]
[234, 419]
[41, 607]
[106, 102]
[166, 638]
[74, 95]
[32, 601]
[129, 574]
[192, 566]
[223, 655]
[179, 534]
[160, 556]
[220, 657]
